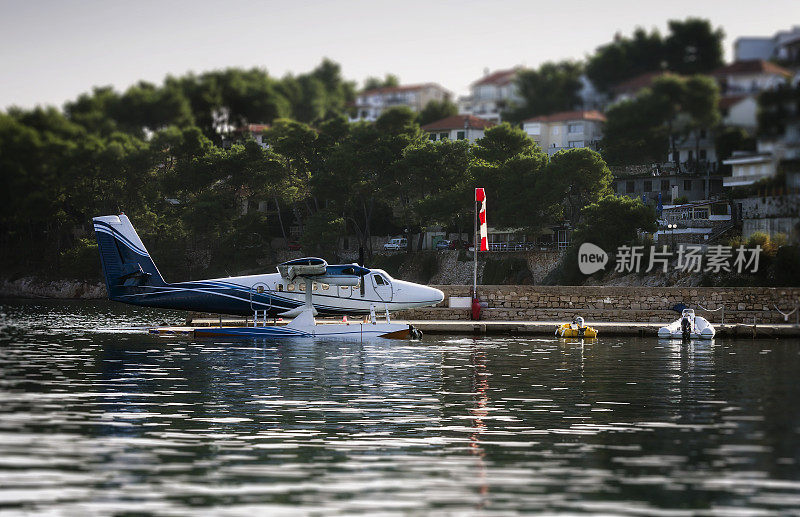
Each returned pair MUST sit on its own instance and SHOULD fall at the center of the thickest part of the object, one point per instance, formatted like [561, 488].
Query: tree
[437, 110]
[552, 88]
[687, 105]
[661, 117]
[730, 139]
[693, 46]
[577, 177]
[502, 142]
[373, 83]
[777, 109]
[633, 134]
[441, 173]
[614, 220]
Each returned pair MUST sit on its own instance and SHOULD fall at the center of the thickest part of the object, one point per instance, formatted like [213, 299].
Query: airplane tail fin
[125, 260]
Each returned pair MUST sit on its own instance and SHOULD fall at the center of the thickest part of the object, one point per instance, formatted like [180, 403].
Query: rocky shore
[32, 287]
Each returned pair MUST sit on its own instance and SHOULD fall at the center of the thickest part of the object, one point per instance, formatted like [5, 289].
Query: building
[774, 214]
[240, 134]
[751, 76]
[370, 104]
[491, 95]
[693, 223]
[566, 130]
[739, 111]
[748, 168]
[458, 127]
[783, 46]
[671, 187]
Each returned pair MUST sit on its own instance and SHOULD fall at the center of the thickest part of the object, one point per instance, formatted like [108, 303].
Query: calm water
[98, 418]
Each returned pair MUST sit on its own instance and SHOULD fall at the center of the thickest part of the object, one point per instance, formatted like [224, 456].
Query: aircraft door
[382, 286]
[260, 292]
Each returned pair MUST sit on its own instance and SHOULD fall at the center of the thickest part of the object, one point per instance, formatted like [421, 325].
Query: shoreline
[536, 328]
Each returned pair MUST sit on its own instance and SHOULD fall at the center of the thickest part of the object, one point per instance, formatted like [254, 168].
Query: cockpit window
[379, 280]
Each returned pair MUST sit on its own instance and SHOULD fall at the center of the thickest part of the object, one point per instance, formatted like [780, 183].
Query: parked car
[442, 245]
[396, 244]
[457, 244]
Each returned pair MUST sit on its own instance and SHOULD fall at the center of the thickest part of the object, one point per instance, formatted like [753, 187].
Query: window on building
[703, 154]
[433, 136]
[702, 133]
[443, 136]
[648, 186]
[691, 156]
[575, 128]
[629, 187]
[576, 143]
[461, 135]
[534, 129]
[555, 130]
[664, 184]
[687, 185]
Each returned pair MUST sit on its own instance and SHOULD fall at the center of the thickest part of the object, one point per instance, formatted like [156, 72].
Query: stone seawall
[614, 303]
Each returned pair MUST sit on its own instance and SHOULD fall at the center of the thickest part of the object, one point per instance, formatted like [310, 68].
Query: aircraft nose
[437, 295]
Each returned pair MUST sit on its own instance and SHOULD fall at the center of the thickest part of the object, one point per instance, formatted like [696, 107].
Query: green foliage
[81, 262]
[389, 81]
[777, 108]
[640, 131]
[578, 177]
[613, 221]
[553, 87]
[730, 139]
[503, 142]
[437, 110]
[321, 233]
[691, 47]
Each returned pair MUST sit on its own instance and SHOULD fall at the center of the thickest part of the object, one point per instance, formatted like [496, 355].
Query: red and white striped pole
[480, 197]
[480, 217]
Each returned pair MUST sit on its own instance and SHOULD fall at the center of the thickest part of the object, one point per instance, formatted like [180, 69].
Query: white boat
[688, 326]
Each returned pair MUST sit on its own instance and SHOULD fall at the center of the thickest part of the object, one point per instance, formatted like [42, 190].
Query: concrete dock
[540, 328]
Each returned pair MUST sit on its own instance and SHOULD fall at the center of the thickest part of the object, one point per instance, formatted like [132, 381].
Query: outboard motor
[686, 328]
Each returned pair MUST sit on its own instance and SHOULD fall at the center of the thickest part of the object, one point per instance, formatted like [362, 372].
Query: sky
[53, 50]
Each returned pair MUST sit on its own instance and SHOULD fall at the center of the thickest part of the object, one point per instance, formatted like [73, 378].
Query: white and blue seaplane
[301, 289]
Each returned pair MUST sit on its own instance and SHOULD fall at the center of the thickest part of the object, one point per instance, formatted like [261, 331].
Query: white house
[566, 130]
[458, 127]
[747, 168]
[491, 94]
[370, 104]
[739, 111]
[752, 76]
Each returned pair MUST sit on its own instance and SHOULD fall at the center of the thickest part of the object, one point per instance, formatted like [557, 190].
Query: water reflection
[96, 419]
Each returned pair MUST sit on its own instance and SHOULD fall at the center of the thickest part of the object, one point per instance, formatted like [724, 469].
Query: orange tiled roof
[635, 84]
[457, 122]
[570, 115]
[730, 100]
[751, 66]
[499, 77]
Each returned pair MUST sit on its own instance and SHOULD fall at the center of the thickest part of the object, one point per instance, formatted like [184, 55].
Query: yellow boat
[576, 329]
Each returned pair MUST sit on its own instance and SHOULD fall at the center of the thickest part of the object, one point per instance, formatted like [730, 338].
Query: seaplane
[301, 289]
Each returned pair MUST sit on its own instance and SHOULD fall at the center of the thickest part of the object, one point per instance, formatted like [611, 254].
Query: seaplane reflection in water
[301, 289]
